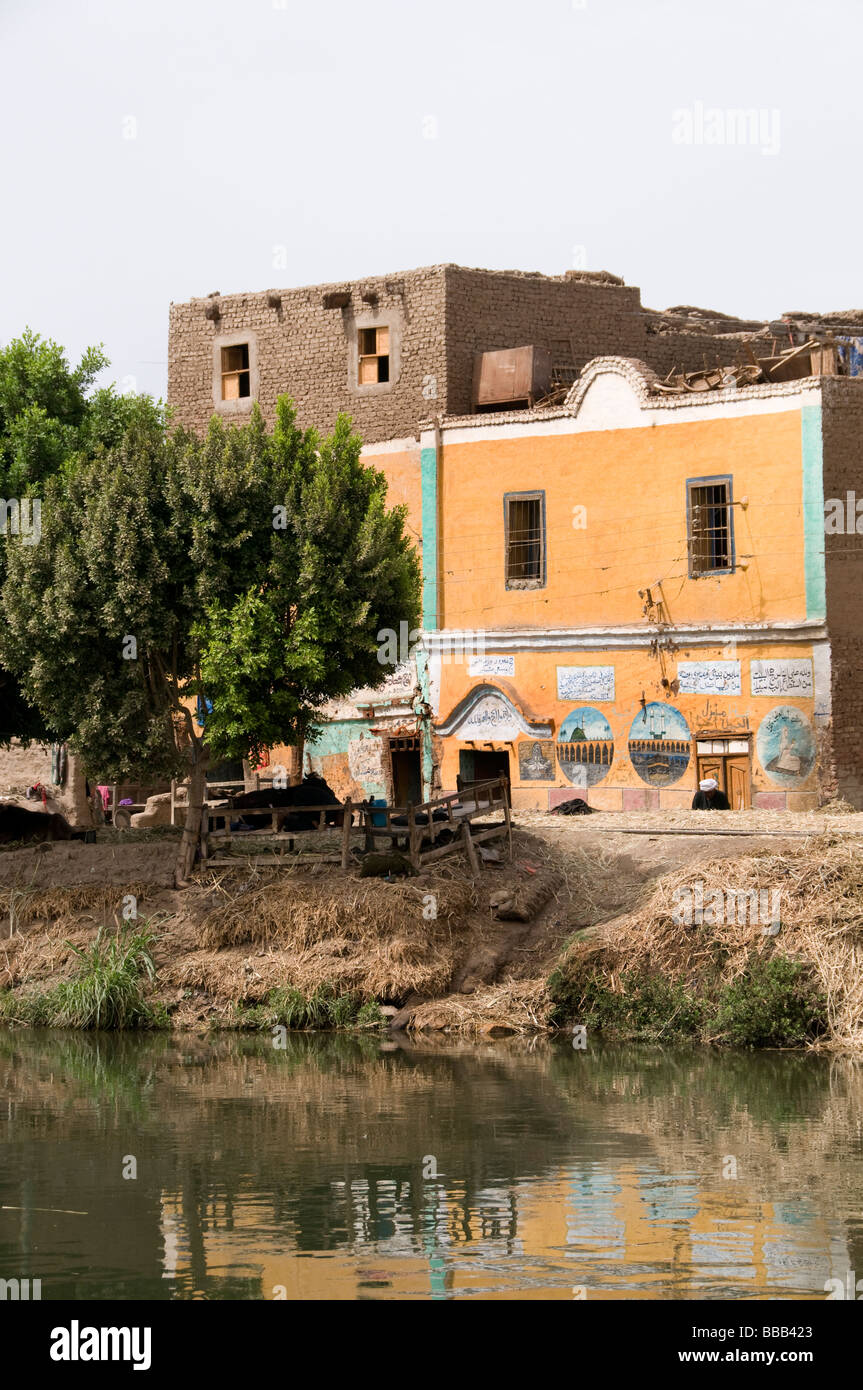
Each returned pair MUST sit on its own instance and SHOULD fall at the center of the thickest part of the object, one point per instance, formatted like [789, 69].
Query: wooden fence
[419, 833]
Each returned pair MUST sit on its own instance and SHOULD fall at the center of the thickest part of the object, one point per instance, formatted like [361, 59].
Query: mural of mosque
[585, 746]
[659, 744]
[786, 745]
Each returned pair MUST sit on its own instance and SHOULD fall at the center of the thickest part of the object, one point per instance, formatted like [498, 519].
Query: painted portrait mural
[536, 760]
[659, 744]
[585, 746]
[786, 745]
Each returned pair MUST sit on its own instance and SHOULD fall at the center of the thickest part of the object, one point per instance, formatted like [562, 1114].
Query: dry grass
[365, 935]
[64, 906]
[513, 1006]
[821, 915]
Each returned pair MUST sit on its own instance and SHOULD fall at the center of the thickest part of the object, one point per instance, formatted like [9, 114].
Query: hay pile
[64, 906]
[363, 935]
[513, 1006]
[71, 915]
[820, 915]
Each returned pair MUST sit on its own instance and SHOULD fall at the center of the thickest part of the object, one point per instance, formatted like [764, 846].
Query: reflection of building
[620, 1231]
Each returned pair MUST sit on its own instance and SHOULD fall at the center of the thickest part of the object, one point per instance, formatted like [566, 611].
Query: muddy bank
[224, 948]
[562, 936]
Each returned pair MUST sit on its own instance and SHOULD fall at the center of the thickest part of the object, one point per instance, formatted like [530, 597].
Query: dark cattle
[312, 791]
[576, 806]
[16, 823]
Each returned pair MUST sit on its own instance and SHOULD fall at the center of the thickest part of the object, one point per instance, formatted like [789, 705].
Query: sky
[163, 149]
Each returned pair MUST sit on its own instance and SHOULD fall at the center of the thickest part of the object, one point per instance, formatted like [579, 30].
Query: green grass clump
[774, 1002]
[323, 1008]
[108, 990]
[647, 1007]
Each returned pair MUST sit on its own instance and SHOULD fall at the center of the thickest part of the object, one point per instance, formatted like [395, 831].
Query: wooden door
[713, 765]
[737, 783]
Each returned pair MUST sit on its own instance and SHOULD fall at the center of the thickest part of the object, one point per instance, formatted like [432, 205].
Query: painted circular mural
[585, 746]
[786, 745]
[659, 744]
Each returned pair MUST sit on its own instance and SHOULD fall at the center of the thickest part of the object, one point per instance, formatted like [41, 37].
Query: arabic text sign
[781, 677]
[709, 677]
[492, 719]
[585, 683]
[492, 666]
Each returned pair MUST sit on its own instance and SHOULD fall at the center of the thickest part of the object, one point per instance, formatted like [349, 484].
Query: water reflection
[341, 1168]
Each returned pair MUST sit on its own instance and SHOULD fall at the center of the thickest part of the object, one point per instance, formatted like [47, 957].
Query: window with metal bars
[524, 531]
[709, 525]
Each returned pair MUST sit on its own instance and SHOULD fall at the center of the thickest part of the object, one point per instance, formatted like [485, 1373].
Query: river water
[344, 1167]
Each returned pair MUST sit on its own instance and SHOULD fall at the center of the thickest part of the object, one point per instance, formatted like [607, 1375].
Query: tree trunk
[72, 800]
[295, 762]
[192, 827]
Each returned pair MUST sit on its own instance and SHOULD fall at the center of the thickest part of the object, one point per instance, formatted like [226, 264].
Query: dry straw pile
[364, 935]
[820, 915]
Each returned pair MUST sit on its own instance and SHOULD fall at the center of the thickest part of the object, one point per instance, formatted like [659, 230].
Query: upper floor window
[374, 356]
[710, 526]
[236, 376]
[524, 539]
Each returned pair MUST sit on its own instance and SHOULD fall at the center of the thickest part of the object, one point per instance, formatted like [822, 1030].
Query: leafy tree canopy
[250, 569]
[50, 419]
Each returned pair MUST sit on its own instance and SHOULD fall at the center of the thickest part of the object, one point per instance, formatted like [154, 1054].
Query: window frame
[711, 480]
[515, 585]
[377, 329]
[237, 372]
[236, 405]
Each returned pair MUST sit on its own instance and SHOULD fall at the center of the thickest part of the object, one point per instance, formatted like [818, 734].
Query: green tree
[247, 569]
[49, 418]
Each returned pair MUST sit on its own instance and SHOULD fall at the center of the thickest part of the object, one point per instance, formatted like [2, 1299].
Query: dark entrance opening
[482, 765]
[407, 771]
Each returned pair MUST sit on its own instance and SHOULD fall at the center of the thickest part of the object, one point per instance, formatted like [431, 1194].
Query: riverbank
[578, 930]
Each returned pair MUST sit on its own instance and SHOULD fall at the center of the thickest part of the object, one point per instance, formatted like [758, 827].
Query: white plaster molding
[594, 639]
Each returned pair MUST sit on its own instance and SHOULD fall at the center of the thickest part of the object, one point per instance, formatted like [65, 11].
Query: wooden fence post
[347, 817]
[470, 848]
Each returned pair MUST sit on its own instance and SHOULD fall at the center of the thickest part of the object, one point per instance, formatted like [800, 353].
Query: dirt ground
[591, 870]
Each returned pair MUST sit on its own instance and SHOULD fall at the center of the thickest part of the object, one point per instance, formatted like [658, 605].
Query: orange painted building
[632, 591]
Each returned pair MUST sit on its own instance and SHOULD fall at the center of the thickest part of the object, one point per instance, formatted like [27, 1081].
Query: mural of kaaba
[536, 760]
[659, 744]
[786, 745]
[585, 746]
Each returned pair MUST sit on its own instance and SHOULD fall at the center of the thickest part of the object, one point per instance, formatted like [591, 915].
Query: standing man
[709, 797]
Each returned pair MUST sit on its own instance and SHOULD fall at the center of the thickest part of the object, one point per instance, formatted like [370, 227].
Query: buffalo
[312, 791]
[17, 823]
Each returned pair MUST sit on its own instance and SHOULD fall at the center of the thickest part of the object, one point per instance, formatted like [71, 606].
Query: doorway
[729, 762]
[482, 764]
[406, 767]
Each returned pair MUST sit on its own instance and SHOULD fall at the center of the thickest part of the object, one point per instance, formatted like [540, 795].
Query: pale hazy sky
[159, 149]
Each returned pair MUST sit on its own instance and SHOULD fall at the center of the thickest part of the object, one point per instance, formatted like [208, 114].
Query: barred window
[524, 529]
[709, 525]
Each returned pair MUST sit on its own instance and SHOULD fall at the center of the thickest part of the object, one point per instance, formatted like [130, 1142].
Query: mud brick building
[651, 591]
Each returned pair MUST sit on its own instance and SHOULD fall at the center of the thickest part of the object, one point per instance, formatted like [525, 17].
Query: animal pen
[447, 825]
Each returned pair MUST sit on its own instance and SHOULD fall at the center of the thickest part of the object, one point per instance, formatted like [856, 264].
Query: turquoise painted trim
[335, 739]
[813, 511]
[429, 485]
